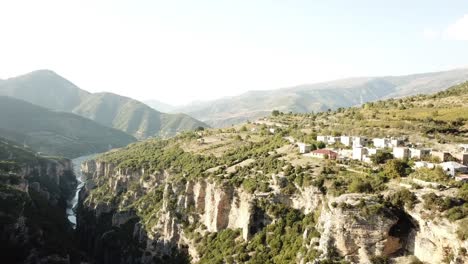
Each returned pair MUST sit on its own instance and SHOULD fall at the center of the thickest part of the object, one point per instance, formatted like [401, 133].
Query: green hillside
[55, 133]
[133, 117]
[47, 89]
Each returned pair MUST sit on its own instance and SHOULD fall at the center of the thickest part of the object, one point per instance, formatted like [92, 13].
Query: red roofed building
[324, 154]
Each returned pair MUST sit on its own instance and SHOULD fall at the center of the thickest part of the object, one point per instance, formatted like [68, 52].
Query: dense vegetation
[279, 242]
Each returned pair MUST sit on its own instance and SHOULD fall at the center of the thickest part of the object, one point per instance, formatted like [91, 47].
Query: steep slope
[47, 89]
[320, 96]
[33, 197]
[56, 133]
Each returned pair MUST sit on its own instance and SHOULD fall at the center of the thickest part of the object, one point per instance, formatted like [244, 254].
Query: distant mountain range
[320, 96]
[47, 89]
[56, 133]
[160, 106]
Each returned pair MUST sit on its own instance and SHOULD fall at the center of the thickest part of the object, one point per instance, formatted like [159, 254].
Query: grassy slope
[55, 133]
[441, 116]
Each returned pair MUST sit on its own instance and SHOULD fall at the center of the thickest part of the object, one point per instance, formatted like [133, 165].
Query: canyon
[120, 235]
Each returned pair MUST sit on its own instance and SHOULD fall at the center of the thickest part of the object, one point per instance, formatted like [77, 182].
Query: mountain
[56, 133]
[160, 106]
[320, 96]
[47, 89]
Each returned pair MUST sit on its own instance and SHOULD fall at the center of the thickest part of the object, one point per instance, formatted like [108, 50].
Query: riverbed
[74, 201]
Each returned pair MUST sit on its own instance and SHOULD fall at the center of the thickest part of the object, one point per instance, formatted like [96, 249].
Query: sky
[181, 51]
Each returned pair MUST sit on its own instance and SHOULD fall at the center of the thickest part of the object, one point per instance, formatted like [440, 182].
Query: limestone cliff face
[436, 239]
[354, 236]
[354, 226]
[213, 205]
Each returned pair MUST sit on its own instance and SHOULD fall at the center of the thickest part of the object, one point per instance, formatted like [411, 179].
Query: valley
[246, 194]
[381, 183]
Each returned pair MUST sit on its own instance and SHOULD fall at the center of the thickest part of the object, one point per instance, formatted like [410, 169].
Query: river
[74, 201]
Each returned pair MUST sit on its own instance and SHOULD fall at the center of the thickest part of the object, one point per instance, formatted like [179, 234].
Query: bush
[381, 157]
[360, 186]
[403, 198]
[395, 169]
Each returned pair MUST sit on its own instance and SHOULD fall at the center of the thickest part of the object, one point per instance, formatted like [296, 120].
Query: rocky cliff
[33, 196]
[129, 216]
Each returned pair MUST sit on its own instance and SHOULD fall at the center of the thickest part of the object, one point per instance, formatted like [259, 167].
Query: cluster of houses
[362, 148]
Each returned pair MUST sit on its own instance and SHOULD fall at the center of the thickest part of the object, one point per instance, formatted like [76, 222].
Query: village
[358, 148]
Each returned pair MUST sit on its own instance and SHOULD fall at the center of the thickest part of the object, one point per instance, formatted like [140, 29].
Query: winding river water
[74, 201]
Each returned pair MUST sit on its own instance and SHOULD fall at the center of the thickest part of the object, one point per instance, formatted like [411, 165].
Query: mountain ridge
[50, 90]
[320, 96]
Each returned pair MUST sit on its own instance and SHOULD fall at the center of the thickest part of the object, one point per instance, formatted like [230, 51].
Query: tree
[395, 168]
[275, 113]
[381, 157]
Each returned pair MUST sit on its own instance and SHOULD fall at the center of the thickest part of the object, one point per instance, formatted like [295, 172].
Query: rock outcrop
[356, 227]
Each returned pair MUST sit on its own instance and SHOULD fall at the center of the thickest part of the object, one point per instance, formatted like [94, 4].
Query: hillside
[47, 89]
[56, 133]
[434, 119]
[320, 96]
[245, 194]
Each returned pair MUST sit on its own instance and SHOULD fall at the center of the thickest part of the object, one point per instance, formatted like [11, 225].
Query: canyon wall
[352, 226]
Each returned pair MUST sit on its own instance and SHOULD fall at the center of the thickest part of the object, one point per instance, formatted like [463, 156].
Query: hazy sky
[179, 51]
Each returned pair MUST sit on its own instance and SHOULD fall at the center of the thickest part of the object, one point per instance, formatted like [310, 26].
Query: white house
[395, 142]
[401, 152]
[272, 130]
[323, 139]
[359, 153]
[424, 164]
[333, 140]
[304, 148]
[419, 153]
[452, 167]
[371, 151]
[380, 142]
[345, 153]
[359, 142]
[346, 140]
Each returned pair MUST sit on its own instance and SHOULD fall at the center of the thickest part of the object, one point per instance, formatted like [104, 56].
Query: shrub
[403, 198]
[395, 169]
[360, 186]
